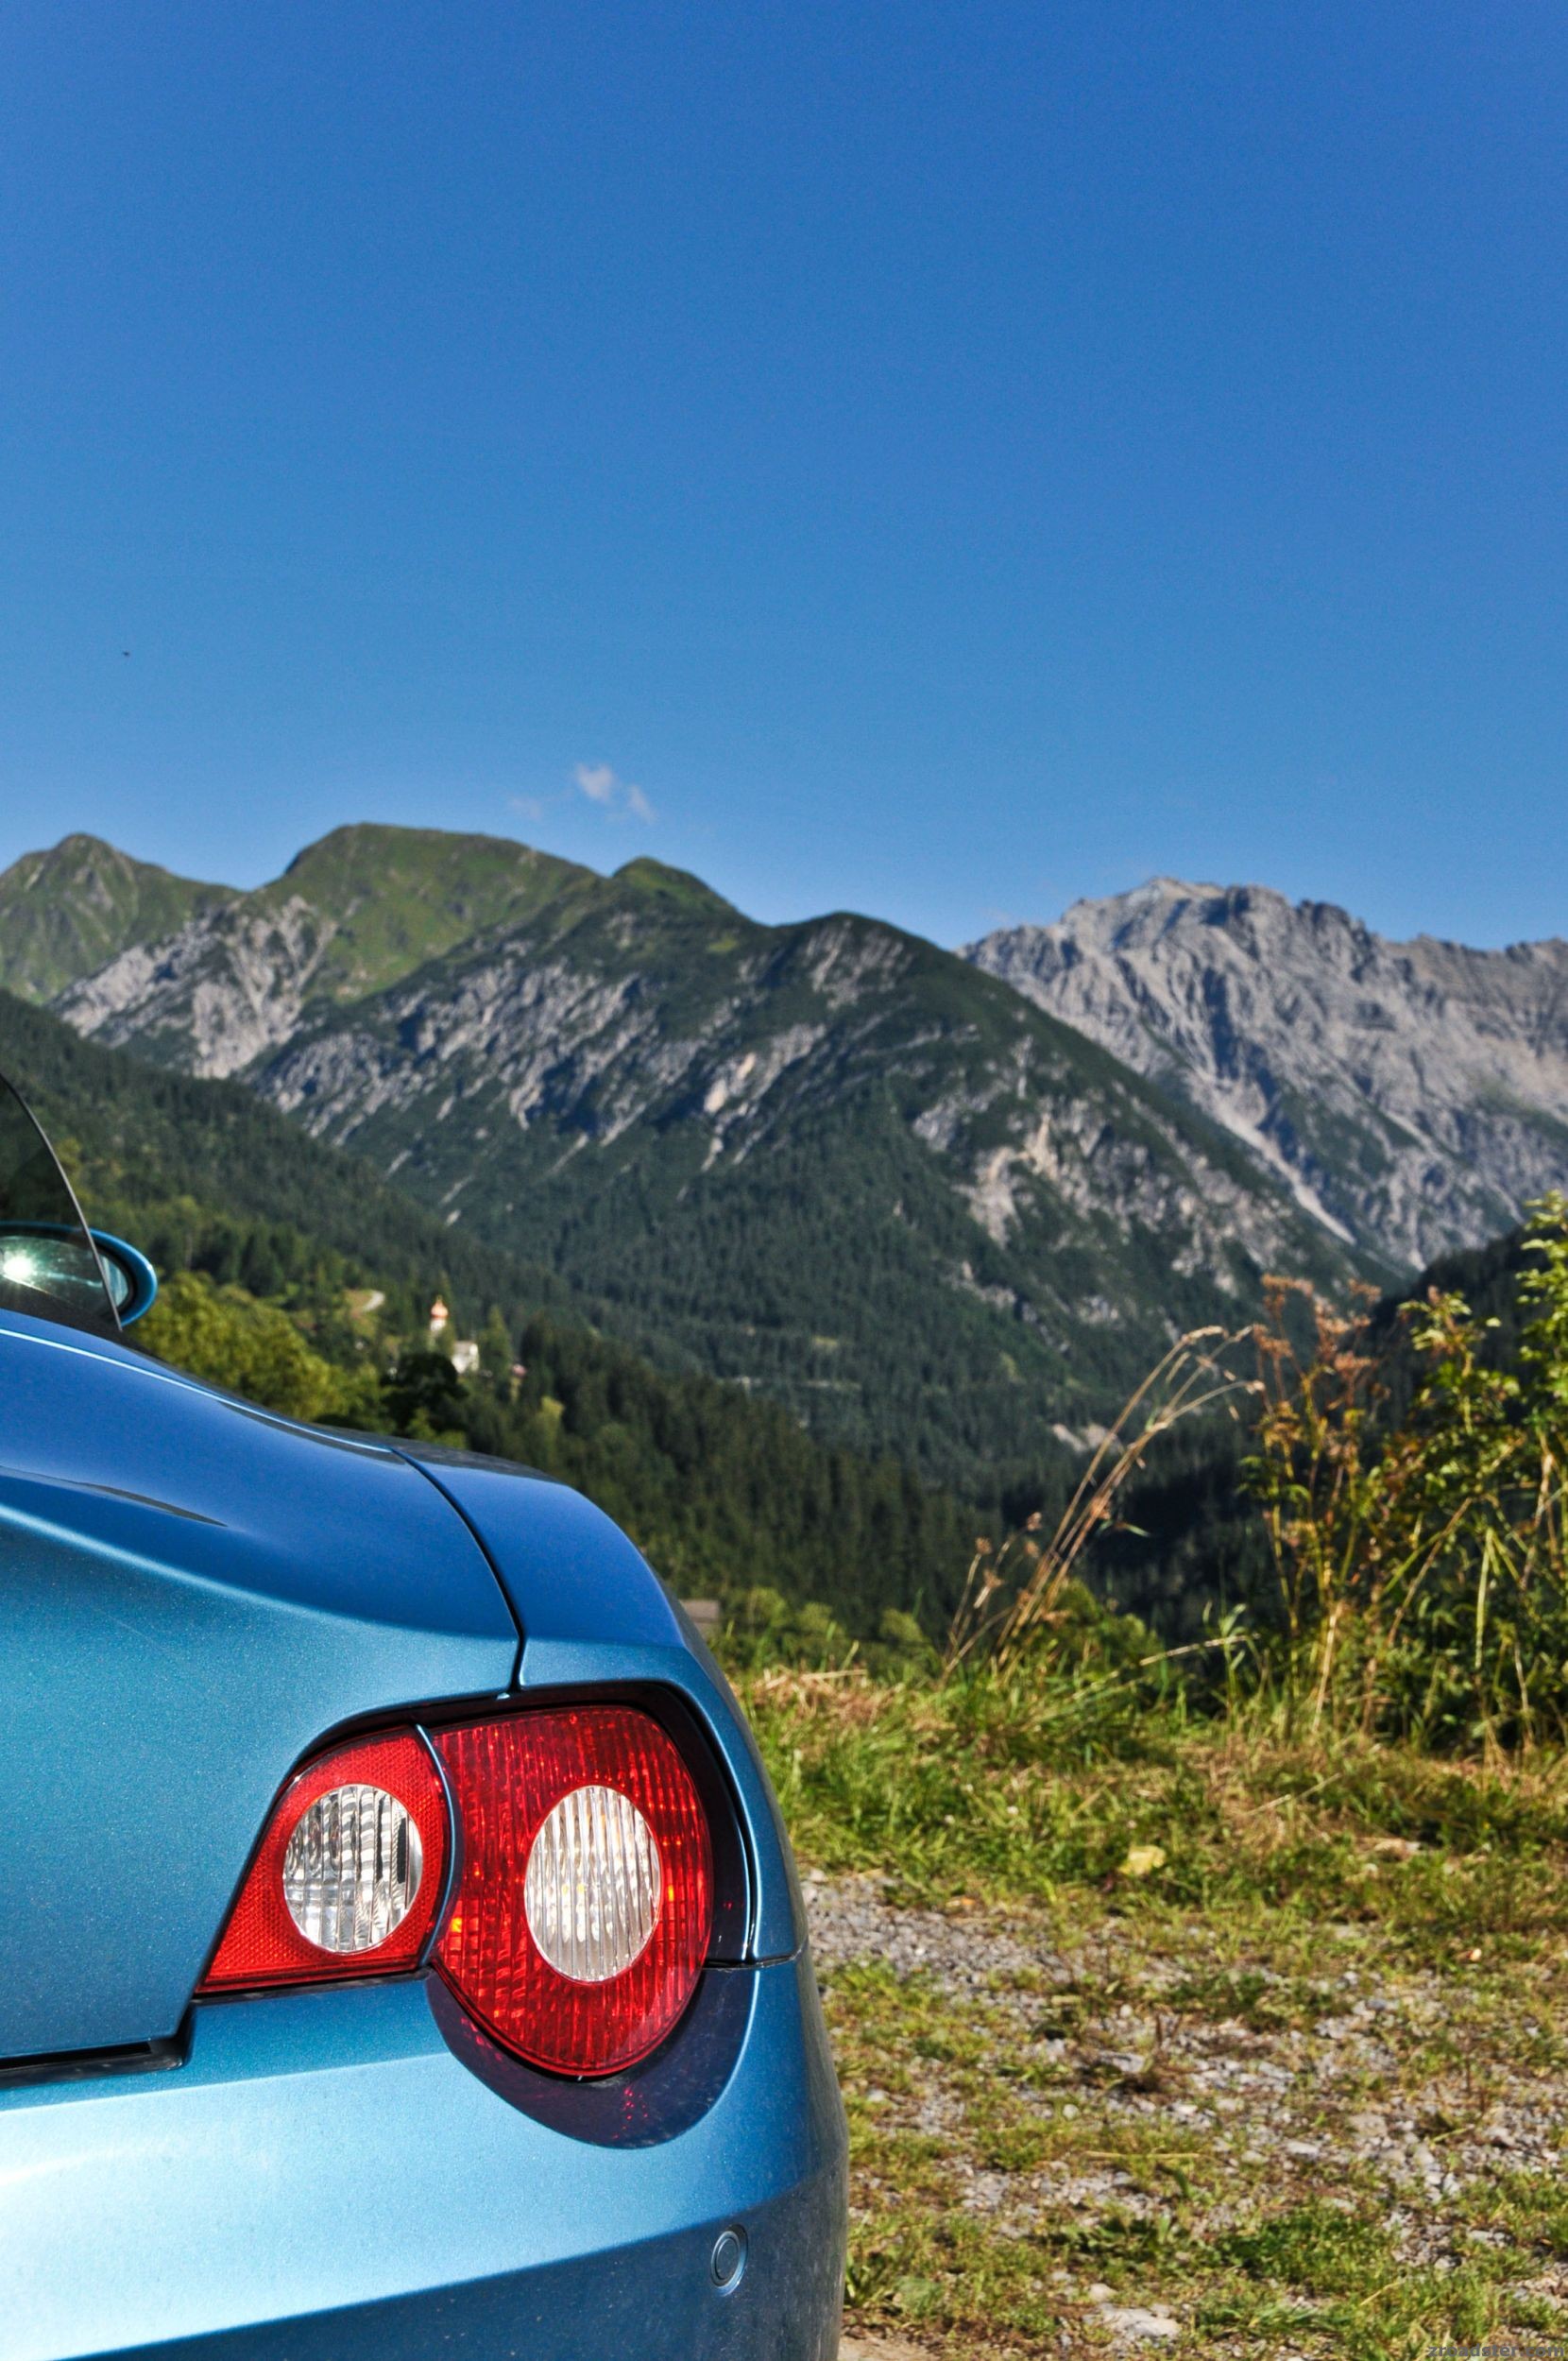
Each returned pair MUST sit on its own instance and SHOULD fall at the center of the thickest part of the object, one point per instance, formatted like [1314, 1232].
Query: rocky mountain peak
[827, 1158]
[353, 914]
[1414, 1095]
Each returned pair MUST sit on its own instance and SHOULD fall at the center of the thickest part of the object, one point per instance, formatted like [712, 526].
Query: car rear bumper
[324, 2177]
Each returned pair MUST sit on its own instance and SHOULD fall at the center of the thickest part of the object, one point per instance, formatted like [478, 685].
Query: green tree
[224, 1336]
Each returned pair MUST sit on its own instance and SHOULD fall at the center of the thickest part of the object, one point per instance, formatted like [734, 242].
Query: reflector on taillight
[350, 1874]
[585, 1902]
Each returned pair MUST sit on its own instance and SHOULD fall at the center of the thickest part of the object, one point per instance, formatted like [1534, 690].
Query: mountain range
[1413, 1096]
[937, 1203]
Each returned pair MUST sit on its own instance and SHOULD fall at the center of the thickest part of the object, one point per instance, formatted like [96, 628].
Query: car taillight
[584, 1906]
[350, 1872]
[583, 1911]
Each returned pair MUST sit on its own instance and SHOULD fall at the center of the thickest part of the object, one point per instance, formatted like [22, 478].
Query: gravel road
[1370, 2086]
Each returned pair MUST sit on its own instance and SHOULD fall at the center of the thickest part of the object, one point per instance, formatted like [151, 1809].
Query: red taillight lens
[585, 1906]
[585, 1902]
[350, 1872]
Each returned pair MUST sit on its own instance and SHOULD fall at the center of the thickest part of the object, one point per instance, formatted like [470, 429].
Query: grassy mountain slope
[394, 898]
[352, 914]
[65, 911]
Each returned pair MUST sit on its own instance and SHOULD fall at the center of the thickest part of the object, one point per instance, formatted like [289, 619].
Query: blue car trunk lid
[192, 1594]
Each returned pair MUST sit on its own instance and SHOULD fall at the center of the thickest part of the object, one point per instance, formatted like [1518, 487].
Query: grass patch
[979, 1788]
[1175, 2018]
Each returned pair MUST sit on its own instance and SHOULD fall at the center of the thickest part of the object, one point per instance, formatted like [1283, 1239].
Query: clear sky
[945, 459]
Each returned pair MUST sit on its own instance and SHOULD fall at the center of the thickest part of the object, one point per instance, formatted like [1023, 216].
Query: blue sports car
[400, 1955]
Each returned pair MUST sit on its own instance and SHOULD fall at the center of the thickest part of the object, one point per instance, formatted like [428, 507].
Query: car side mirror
[131, 1279]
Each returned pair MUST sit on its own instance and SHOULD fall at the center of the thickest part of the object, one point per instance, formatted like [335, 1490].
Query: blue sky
[945, 460]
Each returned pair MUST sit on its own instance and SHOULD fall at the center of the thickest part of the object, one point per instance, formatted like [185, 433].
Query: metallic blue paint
[192, 1593]
[593, 1611]
[324, 2164]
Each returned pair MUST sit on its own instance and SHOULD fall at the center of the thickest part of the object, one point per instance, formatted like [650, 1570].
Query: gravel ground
[1367, 2088]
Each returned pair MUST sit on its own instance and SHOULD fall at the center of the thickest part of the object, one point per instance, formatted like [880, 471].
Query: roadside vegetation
[1213, 2000]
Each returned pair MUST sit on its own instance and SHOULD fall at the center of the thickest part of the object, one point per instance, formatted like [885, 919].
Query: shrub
[1423, 1563]
[226, 1337]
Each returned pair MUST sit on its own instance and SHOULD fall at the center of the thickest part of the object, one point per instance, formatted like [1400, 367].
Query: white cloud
[620, 798]
[600, 784]
[597, 781]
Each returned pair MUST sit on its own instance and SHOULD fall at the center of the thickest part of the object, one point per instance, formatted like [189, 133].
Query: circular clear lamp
[593, 1886]
[352, 1869]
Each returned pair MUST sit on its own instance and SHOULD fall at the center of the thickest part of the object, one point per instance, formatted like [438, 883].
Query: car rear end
[399, 1950]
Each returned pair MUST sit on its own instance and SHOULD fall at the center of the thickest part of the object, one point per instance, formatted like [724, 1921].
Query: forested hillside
[723, 1491]
[930, 1236]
